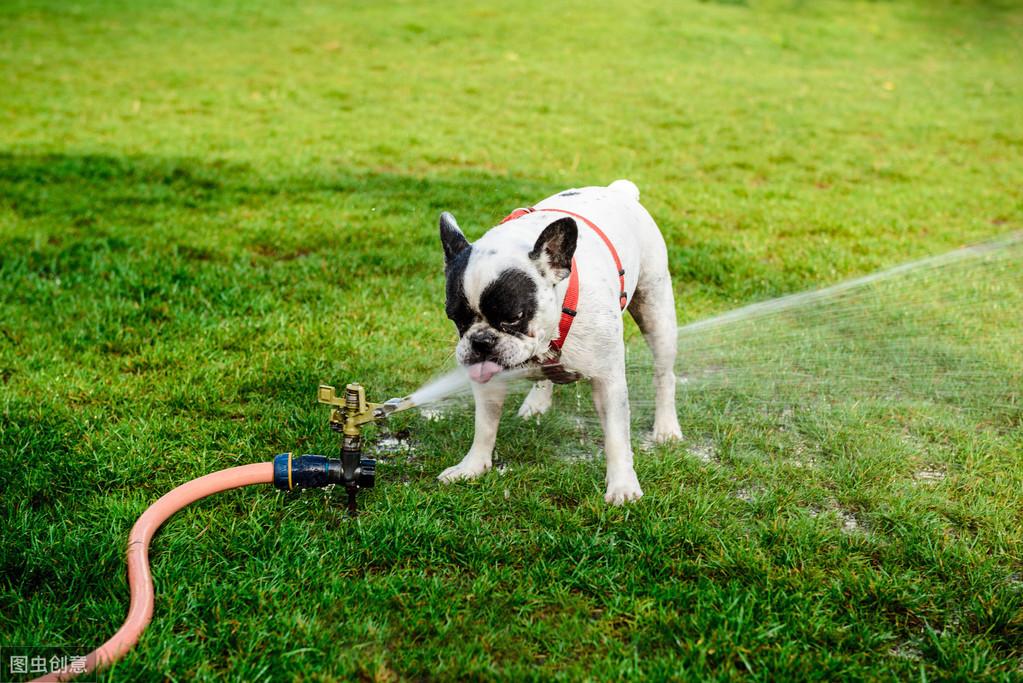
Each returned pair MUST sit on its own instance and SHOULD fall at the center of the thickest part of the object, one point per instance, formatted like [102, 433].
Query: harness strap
[568, 308]
[571, 300]
[623, 298]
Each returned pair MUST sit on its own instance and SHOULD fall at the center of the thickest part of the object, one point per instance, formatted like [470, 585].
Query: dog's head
[500, 293]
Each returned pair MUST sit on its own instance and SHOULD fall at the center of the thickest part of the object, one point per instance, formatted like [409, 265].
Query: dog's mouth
[482, 373]
[484, 367]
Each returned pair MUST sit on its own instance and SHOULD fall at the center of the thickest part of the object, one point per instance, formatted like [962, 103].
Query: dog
[546, 290]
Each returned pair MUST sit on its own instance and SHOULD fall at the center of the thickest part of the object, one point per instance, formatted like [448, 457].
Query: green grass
[206, 211]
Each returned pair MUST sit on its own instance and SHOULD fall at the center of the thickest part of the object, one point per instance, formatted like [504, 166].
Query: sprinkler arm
[362, 411]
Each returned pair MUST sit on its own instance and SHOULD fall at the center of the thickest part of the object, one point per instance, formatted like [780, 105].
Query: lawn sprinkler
[350, 413]
[352, 471]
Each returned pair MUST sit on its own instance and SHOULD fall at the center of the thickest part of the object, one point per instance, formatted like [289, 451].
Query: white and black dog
[510, 294]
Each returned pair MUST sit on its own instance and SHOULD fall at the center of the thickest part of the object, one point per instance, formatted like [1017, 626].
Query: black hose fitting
[317, 471]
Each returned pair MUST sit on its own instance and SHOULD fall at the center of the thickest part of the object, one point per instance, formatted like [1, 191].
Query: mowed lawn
[207, 209]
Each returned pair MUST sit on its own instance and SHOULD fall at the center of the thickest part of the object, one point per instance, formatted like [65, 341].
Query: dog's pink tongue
[482, 372]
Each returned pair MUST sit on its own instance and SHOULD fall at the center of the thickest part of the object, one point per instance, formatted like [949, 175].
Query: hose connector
[317, 471]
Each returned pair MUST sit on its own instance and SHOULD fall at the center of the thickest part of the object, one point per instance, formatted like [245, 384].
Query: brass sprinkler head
[351, 411]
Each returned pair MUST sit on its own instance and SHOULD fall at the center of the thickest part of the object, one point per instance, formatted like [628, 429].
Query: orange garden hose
[140, 580]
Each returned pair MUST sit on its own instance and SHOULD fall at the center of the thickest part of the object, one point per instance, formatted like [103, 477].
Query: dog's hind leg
[653, 309]
[538, 401]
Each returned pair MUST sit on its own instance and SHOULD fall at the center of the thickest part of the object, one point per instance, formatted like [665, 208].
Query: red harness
[568, 306]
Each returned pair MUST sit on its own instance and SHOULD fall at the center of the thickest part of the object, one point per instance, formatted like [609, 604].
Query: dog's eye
[510, 325]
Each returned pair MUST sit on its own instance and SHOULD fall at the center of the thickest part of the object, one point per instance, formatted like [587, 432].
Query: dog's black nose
[483, 342]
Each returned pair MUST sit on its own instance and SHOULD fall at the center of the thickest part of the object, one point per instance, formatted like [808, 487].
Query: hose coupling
[317, 471]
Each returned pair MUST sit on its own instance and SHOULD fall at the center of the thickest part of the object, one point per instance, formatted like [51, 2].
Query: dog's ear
[451, 237]
[555, 248]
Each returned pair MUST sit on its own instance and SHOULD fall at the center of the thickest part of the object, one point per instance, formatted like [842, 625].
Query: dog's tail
[625, 187]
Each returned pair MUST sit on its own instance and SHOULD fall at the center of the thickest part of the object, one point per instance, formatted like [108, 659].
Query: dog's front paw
[663, 433]
[538, 402]
[469, 468]
[623, 488]
[534, 407]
